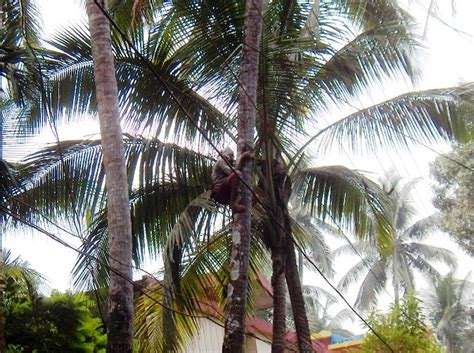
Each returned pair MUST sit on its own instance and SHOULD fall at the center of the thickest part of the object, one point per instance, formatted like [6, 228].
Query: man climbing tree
[237, 288]
[225, 178]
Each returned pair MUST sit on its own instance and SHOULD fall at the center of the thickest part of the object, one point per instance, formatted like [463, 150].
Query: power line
[46, 106]
[55, 129]
[172, 94]
[201, 130]
[137, 287]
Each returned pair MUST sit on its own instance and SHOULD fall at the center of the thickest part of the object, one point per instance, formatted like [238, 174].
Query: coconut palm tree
[406, 254]
[241, 226]
[120, 302]
[447, 308]
[185, 78]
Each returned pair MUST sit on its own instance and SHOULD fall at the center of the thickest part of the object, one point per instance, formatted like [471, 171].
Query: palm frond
[91, 270]
[382, 52]
[8, 182]
[69, 177]
[431, 253]
[369, 13]
[314, 242]
[193, 226]
[372, 285]
[362, 247]
[422, 228]
[21, 22]
[150, 324]
[347, 198]
[355, 272]
[201, 294]
[153, 94]
[418, 117]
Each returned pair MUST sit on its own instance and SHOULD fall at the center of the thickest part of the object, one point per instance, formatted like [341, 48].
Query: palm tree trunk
[279, 299]
[172, 294]
[237, 288]
[297, 300]
[120, 306]
[396, 281]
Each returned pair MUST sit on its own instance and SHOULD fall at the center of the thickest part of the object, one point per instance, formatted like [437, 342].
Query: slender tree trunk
[396, 280]
[120, 306]
[297, 300]
[279, 299]
[237, 288]
[172, 295]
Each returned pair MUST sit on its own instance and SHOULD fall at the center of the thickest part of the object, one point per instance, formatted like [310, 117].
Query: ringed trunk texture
[239, 260]
[297, 300]
[120, 305]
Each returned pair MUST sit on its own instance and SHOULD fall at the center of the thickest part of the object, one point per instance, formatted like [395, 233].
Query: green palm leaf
[153, 94]
[69, 178]
[418, 117]
[339, 195]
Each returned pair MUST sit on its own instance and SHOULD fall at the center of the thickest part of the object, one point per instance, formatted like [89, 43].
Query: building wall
[263, 347]
[208, 339]
[210, 336]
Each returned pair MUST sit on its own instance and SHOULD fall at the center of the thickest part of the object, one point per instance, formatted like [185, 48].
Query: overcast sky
[447, 60]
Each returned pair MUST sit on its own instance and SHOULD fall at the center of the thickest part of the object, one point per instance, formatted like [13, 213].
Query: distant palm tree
[23, 278]
[447, 309]
[319, 304]
[405, 255]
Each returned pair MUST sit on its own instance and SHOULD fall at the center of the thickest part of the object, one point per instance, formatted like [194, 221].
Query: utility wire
[203, 133]
[136, 286]
[46, 106]
[195, 124]
[55, 132]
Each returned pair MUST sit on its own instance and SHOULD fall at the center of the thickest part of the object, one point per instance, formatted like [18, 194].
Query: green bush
[402, 329]
[59, 323]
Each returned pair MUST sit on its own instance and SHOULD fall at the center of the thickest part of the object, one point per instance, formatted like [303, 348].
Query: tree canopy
[35, 323]
[454, 194]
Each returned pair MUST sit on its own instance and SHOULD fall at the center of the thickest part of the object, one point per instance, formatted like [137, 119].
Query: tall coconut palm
[241, 226]
[185, 77]
[447, 308]
[120, 302]
[406, 254]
